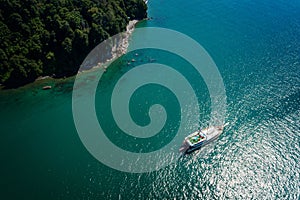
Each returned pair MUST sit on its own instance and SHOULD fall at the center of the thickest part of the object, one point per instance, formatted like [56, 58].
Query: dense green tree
[45, 37]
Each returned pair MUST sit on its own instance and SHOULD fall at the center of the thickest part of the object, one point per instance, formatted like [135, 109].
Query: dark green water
[256, 46]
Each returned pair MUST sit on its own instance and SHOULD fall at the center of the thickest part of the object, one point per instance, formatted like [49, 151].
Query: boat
[200, 138]
[47, 87]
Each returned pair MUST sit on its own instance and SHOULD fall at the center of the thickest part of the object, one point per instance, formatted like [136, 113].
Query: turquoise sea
[256, 47]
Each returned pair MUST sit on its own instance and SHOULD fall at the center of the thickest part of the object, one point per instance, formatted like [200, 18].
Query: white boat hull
[210, 134]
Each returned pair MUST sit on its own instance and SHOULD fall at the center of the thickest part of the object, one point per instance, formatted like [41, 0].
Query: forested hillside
[46, 37]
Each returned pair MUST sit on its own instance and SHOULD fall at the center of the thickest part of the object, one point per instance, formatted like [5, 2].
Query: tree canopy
[45, 37]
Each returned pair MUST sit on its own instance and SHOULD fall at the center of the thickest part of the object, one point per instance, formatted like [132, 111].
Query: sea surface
[256, 47]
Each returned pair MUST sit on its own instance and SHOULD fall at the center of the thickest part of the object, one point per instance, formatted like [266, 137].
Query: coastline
[120, 44]
[118, 49]
[114, 49]
[116, 46]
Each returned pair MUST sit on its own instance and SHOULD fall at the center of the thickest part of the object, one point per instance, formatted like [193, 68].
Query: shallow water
[256, 47]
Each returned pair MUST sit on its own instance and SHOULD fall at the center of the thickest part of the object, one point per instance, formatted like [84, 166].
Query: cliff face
[43, 37]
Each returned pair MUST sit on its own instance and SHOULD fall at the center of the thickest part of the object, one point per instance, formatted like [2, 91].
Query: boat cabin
[196, 138]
